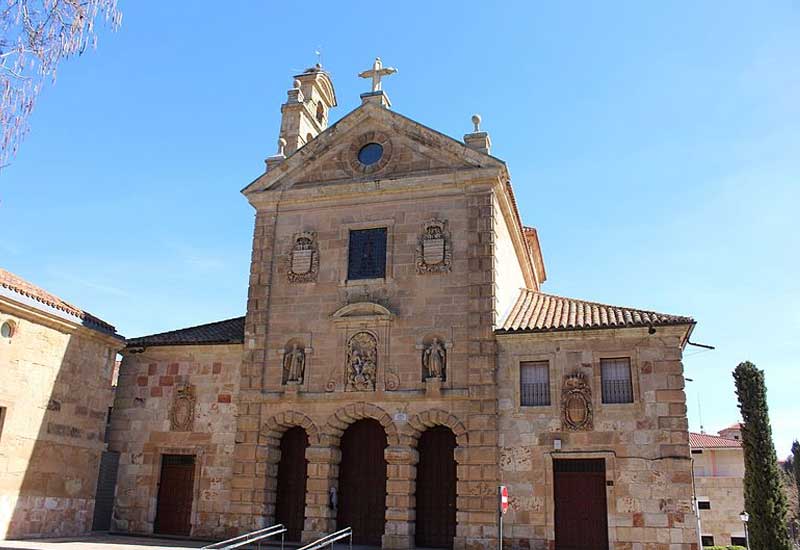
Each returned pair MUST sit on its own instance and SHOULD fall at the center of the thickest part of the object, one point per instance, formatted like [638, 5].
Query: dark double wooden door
[290, 505]
[579, 488]
[436, 489]
[362, 482]
[175, 495]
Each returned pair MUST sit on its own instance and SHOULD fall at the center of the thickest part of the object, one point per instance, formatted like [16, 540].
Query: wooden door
[292, 473]
[175, 492]
[579, 487]
[436, 489]
[362, 482]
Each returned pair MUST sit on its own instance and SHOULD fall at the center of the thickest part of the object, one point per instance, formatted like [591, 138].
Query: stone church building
[398, 361]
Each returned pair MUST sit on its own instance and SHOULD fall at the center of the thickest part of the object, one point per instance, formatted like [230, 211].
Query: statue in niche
[303, 258]
[434, 359]
[362, 362]
[433, 248]
[576, 404]
[294, 363]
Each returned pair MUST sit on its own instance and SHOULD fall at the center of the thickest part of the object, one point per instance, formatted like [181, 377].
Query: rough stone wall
[644, 443]
[142, 431]
[719, 478]
[55, 383]
[457, 307]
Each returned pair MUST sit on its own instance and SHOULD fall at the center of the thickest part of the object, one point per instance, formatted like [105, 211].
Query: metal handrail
[330, 539]
[248, 538]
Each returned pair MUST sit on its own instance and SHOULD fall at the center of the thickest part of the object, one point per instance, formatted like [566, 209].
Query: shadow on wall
[55, 387]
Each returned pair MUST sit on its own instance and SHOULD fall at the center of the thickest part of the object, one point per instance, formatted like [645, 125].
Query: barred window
[534, 383]
[367, 254]
[616, 378]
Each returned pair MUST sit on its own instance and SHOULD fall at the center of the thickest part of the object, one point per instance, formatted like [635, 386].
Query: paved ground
[100, 542]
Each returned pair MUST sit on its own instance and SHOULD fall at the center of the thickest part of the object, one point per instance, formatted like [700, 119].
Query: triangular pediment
[409, 149]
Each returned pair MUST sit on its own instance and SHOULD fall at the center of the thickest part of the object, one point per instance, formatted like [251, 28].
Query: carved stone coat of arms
[576, 404]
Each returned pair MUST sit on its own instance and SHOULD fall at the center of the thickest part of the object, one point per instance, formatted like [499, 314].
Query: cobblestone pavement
[100, 542]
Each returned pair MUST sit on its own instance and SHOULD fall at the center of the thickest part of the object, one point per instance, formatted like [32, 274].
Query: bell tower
[306, 111]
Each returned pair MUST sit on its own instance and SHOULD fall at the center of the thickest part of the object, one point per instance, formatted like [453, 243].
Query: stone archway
[324, 458]
[269, 457]
[417, 425]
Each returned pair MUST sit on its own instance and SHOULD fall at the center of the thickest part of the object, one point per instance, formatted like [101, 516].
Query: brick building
[56, 364]
[398, 360]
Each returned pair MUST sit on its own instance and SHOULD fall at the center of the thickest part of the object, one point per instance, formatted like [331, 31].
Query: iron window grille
[366, 257]
[534, 383]
[616, 380]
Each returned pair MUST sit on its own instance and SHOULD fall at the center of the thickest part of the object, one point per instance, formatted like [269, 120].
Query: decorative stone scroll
[181, 414]
[362, 362]
[576, 404]
[294, 364]
[303, 258]
[433, 248]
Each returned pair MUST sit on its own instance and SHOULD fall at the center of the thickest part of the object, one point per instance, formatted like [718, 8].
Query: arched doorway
[436, 489]
[362, 482]
[290, 502]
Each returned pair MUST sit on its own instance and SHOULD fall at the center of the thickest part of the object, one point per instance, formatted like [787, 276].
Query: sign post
[502, 508]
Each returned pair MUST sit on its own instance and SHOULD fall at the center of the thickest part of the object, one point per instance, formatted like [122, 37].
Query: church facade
[398, 361]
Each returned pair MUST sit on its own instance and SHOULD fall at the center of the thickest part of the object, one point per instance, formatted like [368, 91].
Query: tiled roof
[705, 441]
[230, 331]
[538, 312]
[29, 292]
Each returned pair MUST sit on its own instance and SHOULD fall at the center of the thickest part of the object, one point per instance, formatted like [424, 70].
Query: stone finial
[476, 120]
[296, 84]
[478, 140]
[278, 157]
[281, 146]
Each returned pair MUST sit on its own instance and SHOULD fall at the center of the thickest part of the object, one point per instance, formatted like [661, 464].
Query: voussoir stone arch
[343, 417]
[435, 417]
[273, 427]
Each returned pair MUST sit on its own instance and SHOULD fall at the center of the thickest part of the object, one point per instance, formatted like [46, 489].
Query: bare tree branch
[35, 35]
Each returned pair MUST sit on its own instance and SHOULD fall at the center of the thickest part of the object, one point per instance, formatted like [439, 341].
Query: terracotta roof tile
[23, 288]
[230, 331]
[705, 441]
[538, 312]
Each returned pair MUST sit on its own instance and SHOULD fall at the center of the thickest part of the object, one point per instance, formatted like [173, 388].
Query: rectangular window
[534, 383]
[707, 540]
[704, 504]
[2, 420]
[616, 379]
[367, 254]
[739, 541]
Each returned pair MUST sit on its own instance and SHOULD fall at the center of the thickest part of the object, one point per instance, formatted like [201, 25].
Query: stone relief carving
[181, 414]
[303, 258]
[434, 360]
[294, 364]
[576, 404]
[362, 362]
[433, 248]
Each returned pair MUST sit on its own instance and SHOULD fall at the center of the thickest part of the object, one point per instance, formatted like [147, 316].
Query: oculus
[370, 153]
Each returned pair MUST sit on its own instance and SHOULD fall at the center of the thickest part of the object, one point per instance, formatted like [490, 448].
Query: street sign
[503, 499]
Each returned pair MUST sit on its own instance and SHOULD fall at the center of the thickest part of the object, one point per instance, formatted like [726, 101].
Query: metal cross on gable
[377, 72]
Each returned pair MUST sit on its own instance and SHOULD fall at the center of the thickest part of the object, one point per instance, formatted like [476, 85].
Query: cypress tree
[796, 467]
[764, 498]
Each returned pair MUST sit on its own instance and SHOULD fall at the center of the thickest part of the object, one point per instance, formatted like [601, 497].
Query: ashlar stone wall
[644, 443]
[55, 386]
[144, 426]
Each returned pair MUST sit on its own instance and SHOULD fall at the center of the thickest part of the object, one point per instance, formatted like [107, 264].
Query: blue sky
[654, 145]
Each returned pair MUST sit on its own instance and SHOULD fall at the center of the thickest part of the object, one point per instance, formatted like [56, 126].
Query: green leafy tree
[763, 495]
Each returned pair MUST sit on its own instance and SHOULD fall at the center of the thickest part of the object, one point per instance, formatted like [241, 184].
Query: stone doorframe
[324, 455]
[269, 455]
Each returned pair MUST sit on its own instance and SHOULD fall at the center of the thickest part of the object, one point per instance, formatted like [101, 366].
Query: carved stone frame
[445, 265]
[374, 136]
[311, 275]
[363, 317]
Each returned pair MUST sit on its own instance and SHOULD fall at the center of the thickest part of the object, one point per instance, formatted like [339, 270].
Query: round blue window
[370, 154]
